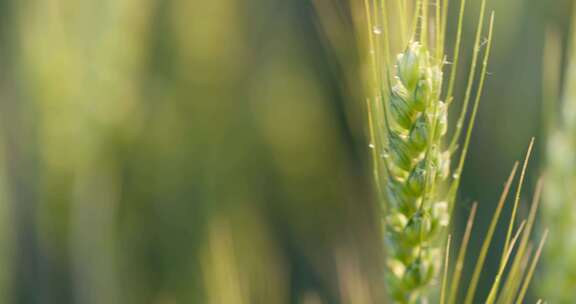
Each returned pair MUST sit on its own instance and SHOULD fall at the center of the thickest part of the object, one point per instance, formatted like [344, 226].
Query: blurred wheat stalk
[559, 212]
[149, 114]
[83, 62]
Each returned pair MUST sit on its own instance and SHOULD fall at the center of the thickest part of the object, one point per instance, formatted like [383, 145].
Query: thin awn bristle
[508, 253]
[415, 19]
[443, 23]
[528, 278]
[510, 243]
[514, 279]
[424, 25]
[456, 54]
[462, 255]
[471, 291]
[445, 273]
[519, 244]
[402, 13]
[518, 267]
[471, 76]
[518, 192]
[460, 167]
[438, 29]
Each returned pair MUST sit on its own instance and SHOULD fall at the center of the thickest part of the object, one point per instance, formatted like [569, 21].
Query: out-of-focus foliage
[178, 152]
[559, 215]
[211, 151]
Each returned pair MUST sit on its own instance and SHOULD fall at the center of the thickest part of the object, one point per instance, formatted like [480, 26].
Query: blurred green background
[172, 151]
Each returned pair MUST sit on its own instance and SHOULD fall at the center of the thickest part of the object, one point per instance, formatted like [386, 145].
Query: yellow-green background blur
[187, 151]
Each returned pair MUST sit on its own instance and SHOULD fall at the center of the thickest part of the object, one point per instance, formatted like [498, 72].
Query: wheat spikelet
[416, 166]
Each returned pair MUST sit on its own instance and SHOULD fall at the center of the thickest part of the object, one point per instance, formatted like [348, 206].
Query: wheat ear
[408, 125]
[416, 166]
